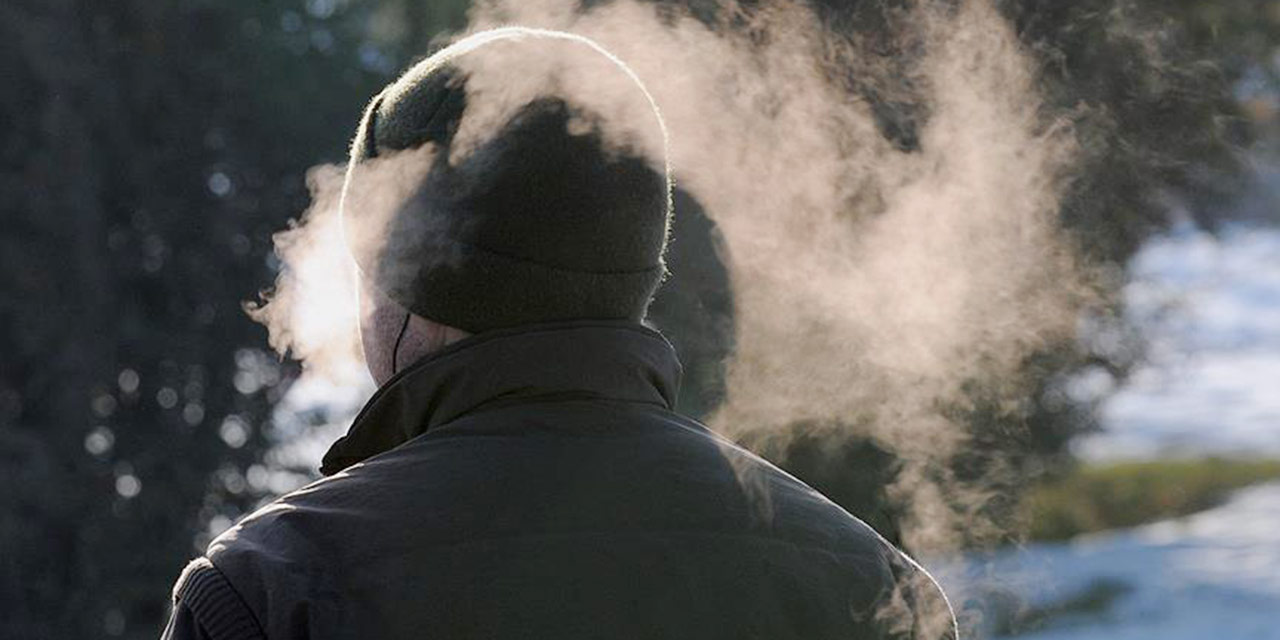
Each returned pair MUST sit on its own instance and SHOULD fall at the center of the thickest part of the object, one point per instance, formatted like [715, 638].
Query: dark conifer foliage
[150, 149]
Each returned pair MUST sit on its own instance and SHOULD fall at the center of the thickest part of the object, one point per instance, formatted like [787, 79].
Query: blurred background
[151, 149]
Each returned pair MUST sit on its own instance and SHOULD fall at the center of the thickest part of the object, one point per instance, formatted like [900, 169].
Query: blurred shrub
[1095, 498]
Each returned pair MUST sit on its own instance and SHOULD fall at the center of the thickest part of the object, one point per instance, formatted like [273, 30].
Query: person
[520, 471]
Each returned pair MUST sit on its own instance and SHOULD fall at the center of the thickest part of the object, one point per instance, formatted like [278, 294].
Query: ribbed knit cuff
[217, 607]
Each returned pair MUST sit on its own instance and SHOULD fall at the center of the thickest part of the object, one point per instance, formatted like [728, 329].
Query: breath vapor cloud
[871, 282]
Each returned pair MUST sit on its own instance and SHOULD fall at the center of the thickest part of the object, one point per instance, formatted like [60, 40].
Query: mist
[872, 281]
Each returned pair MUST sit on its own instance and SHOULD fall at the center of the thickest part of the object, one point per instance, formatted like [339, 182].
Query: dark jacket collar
[614, 360]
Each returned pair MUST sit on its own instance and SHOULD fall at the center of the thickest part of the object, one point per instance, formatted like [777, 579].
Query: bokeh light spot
[100, 441]
[128, 380]
[128, 486]
[167, 398]
[193, 413]
[104, 405]
[234, 431]
[219, 184]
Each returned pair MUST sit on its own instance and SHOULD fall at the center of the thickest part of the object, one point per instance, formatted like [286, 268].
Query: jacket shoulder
[220, 613]
[277, 569]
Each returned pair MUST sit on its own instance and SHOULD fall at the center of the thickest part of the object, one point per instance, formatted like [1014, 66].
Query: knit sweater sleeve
[207, 607]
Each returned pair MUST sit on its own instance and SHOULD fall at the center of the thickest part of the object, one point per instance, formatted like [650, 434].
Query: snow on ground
[1210, 308]
[1211, 576]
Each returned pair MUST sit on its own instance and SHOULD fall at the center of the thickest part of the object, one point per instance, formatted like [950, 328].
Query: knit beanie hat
[539, 219]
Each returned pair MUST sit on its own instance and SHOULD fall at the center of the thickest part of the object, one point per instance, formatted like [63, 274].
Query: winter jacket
[535, 483]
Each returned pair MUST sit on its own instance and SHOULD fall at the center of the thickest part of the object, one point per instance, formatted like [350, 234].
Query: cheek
[364, 326]
[374, 332]
[368, 343]
[375, 318]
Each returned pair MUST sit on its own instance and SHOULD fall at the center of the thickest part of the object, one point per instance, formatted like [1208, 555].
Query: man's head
[539, 220]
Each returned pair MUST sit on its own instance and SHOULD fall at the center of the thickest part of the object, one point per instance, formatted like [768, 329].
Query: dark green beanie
[535, 224]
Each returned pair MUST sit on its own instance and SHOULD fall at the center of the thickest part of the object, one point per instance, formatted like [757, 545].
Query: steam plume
[872, 282]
